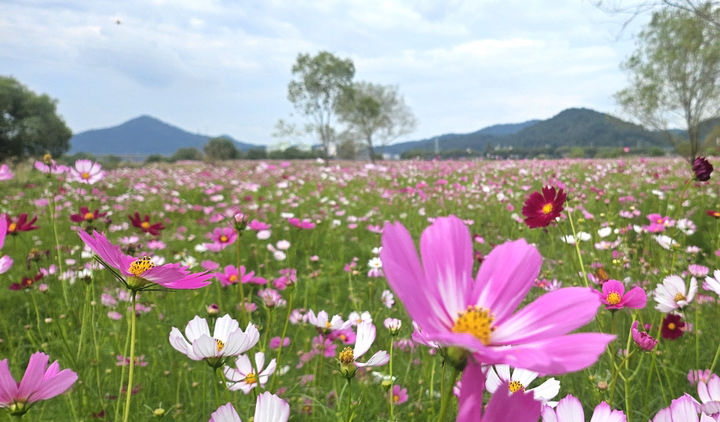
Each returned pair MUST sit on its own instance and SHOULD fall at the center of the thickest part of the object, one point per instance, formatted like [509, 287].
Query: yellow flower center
[346, 356]
[145, 225]
[477, 322]
[12, 227]
[89, 216]
[139, 266]
[47, 159]
[232, 278]
[659, 221]
[515, 386]
[716, 214]
[547, 208]
[343, 337]
[251, 378]
[671, 326]
[85, 175]
[327, 325]
[679, 297]
[613, 298]
[220, 344]
[396, 398]
[223, 239]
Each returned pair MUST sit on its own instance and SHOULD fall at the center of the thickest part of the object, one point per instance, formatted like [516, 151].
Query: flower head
[541, 209]
[682, 409]
[141, 273]
[5, 260]
[398, 395]
[614, 296]
[40, 382]
[221, 237]
[244, 377]
[519, 381]
[672, 293]
[477, 316]
[301, 224]
[569, 409]
[85, 171]
[86, 215]
[145, 225]
[228, 339]
[702, 169]
[5, 172]
[268, 408]
[641, 338]
[232, 275]
[672, 326]
[348, 357]
[21, 224]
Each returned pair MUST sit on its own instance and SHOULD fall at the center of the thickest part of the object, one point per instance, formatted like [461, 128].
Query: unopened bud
[213, 310]
[159, 412]
[240, 222]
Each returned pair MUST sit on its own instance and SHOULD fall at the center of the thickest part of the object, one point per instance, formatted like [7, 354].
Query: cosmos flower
[614, 296]
[348, 357]
[268, 408]
[375, 265]
[323, 321]
[642, 339]
[672, 294]
[244, 377]
[40, 382]
[672, 326]
[398, 395]
[86, 215]
[702, 169]
[21, 224]
[712, 213]
[5, 172]
[50, 167]
[477, 316]
[711, 283]
[144, 224]
[5, 260]
[85, 171]
[141, 273]
[301, 224]
[231, 275]
[221, 237]
[520, 381]
[682, 409]
[228, 339]
[541, 209]
[569, 409]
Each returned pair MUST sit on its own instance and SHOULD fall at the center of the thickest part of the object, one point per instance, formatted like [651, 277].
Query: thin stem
[243, 311]
[122, 371]
[349, 398]
[717, 353]
[577, 249]
[390, 395]
[58, 252]
[126, 412]
[447, 394]
[282, 337]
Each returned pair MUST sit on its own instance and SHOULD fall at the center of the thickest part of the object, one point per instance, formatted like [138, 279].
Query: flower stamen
[515, 386]
[475, 321]
[140, 266]
[613, 298]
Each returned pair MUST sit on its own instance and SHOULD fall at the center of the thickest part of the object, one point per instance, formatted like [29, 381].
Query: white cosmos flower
[713, 283]
[227, 339]
[244, 377]
[520, 380]
[268, 408]
[666, 242]
[363, 340]
[356, 318]
[323, 321]
[605, 231]
[672, 294]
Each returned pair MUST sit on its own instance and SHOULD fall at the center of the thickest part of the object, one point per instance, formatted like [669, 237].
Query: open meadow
[290, 288]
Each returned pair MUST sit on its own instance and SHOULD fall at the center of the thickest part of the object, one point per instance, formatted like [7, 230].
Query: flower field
[410, 290]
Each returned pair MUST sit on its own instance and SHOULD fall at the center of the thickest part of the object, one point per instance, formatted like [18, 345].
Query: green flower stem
[122, 371]
[128, 395]
[447, 392]
[268, 324]
[717, 353]
[243, 311]
[282, 337]
[58, 251]
[390, 395]
[577, 249]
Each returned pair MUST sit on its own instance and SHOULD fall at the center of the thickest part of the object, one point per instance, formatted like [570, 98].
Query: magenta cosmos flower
[614, 296]
[141, 273]
[477, 315]
[5, 260]
[541, 209]
[40, 382]
[85, 171]
[221, 237]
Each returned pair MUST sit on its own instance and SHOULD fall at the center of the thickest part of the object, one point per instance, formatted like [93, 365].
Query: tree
[189, 153]
[29, 124]
[320, 81]
[376, 114]
[675, 73]
[706, 11]
[221, 149]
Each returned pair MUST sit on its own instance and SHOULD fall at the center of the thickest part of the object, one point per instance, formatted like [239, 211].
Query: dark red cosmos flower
[21, 224]
[712, 213]
[672, 326]
[26, 282]
[86, 215]
[144, 224]
[702, 168]
[541, 209]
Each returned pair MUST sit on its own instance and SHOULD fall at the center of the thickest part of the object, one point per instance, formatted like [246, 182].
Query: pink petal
[55, 385]
[635, 298]
[471, 393]
[109, 253]
[32, 380]
[604, 413]
[407, 279]
[507, 406]
[505, 277]
[569, 409]
[613, 286]
[552, 314]
[447, 258]
[8, 386]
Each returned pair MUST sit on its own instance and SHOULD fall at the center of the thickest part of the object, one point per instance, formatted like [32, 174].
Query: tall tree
[376, 114]
[29, 124]
[221, 149]
[674, 73]
[320, 81]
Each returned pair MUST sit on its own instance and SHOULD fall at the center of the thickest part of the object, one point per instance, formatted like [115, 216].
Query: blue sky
[222, 67]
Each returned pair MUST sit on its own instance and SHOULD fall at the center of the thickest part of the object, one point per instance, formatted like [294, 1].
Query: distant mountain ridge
[572, 127]
[143, 135]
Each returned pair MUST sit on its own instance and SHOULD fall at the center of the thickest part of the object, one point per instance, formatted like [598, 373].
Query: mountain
[141, 136]
[572, 127]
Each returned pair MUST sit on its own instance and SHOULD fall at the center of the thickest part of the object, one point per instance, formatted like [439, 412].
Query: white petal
[271, 408]
[492, 382]
[224, 326]
[547, 390]
[378, 359]
[523, 376]
[195, 328]
[364, 338]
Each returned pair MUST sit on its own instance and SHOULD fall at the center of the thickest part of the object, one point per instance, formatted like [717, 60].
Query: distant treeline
[540, 153]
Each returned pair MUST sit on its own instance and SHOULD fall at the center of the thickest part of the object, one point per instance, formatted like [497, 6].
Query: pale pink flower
[86, 171]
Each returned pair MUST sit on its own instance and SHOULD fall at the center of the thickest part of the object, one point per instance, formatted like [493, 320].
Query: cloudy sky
[222, 67]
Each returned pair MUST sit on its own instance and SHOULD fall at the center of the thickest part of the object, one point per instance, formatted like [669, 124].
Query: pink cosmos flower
[709, 393]
[477, 316]
[682, 409]
[40, 382]
[85, 171]
[658, 223]
[50, 169]
[231, 275]
[141, 273]
[614, 297]
[301, 224]
[569, 409]
[268, 408]
[398, 395]
[5, 260]
[503, 406]
[642, 339]
[5, 172]
[221, 237]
